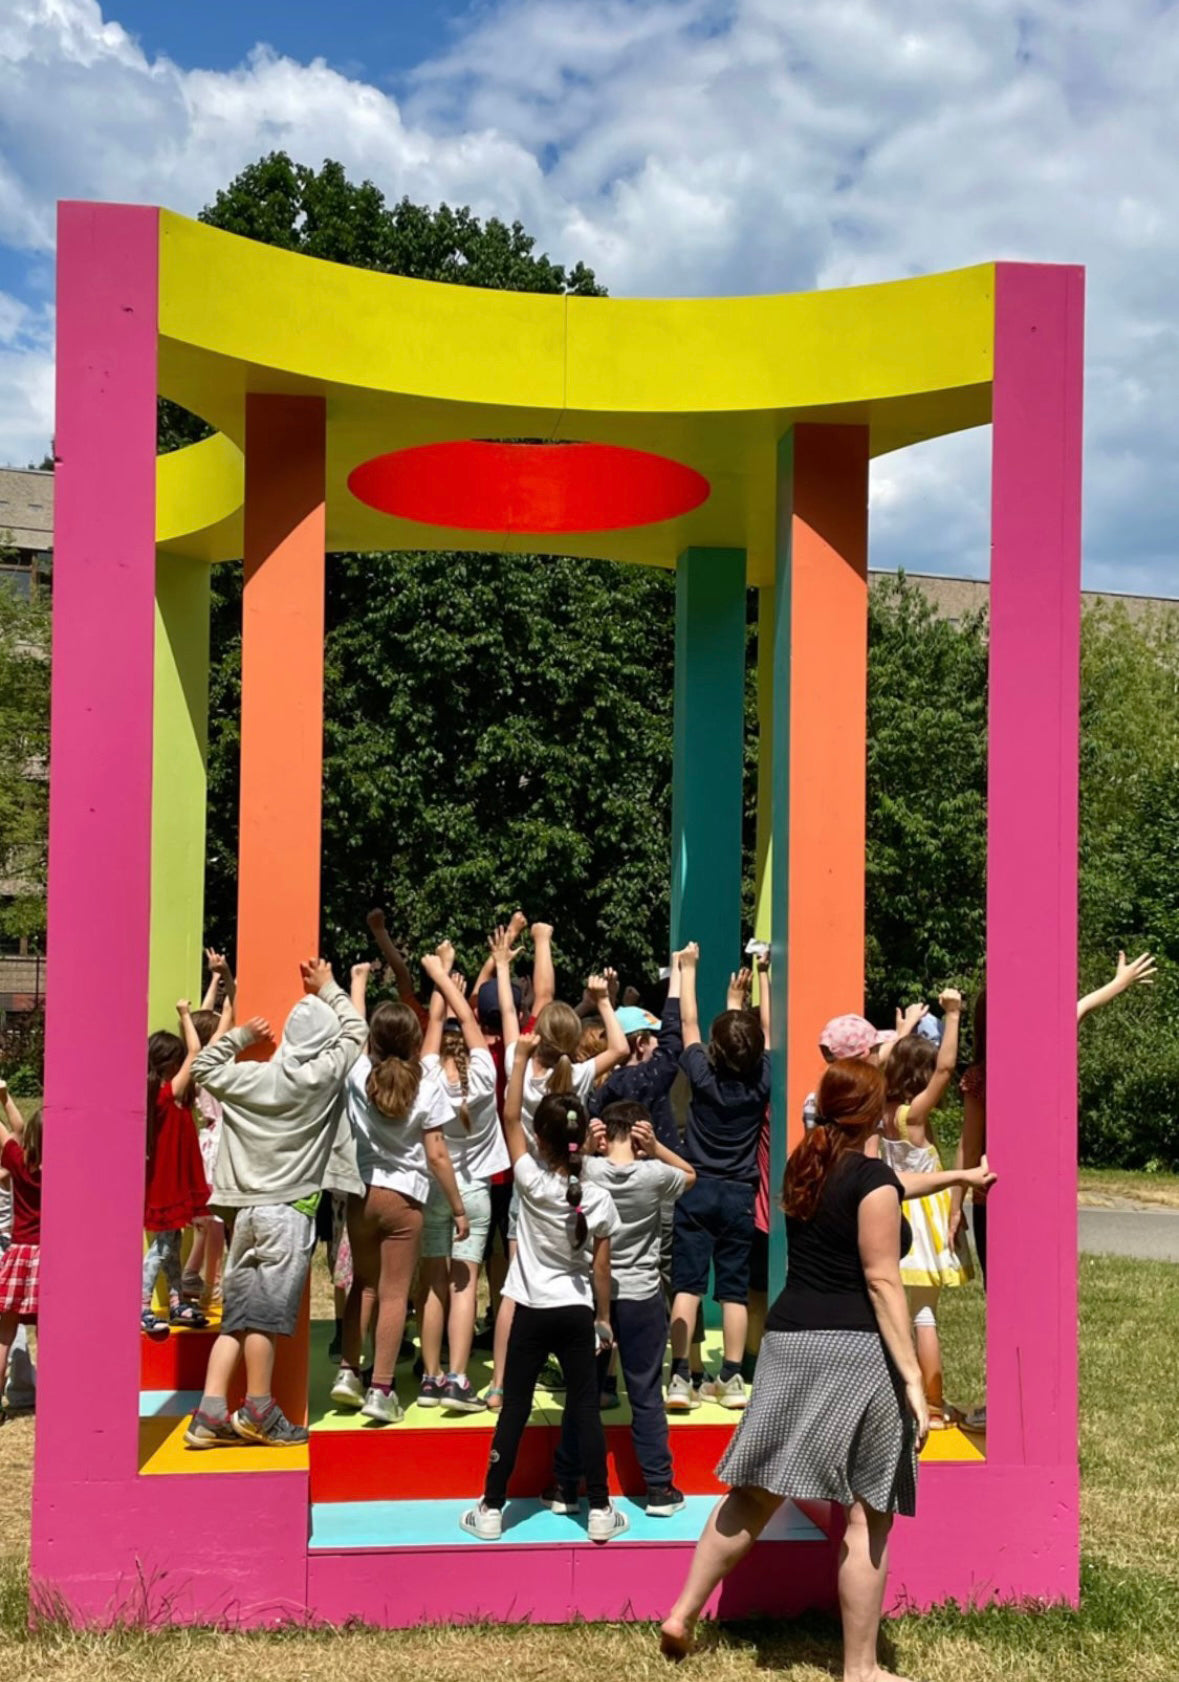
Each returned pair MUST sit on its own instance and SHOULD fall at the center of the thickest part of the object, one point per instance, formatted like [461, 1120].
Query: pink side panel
[1032, 870]
[210, 1549]
[99, 842]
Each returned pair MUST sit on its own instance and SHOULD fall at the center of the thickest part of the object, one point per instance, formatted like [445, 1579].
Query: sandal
[493, 1398]
[187, 1315]
[151, 1323]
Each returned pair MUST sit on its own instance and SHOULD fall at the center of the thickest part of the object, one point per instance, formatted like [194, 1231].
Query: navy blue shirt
[650, 1083]
[725, 1118]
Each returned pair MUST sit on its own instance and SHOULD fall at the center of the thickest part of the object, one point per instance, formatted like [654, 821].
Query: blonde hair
[454, 1048]
[558, 1028]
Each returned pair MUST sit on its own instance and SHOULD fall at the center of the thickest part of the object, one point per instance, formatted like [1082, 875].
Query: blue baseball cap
[633, 1019]
[487, 1000]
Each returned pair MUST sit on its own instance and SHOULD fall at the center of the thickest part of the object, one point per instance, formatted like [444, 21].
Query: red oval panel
[475, 485]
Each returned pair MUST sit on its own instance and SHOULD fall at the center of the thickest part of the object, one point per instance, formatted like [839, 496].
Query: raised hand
[256, 1030]
[517, 923]
[501, 943]
[527, 1044]
[950, 1000]
[642, 1138]
[376, 920]
[184, 1007]
[596, 1137]
[316, 973]
[597, 988]
[907, 1020]
[612, 985]
[1140, 972]
[460, 981]
[217, 961]
[445, 951]
[632, 996]
[740, 984]
[361, 972]
[541, 931]
[433, 965]
[688, 956]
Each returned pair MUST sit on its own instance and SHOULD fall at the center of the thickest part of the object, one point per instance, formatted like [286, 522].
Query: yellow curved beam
[712, 382]
[199, 493]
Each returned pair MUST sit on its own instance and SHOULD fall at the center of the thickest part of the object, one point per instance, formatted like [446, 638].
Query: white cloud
[687, 146]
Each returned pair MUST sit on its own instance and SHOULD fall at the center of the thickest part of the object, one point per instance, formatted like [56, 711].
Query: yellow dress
[932, 1259]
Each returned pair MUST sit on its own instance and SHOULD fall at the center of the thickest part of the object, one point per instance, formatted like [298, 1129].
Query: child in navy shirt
[647, 1077]
[714, 1221]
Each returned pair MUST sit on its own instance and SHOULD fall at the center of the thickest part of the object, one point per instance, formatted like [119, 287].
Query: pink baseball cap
[848, 1036]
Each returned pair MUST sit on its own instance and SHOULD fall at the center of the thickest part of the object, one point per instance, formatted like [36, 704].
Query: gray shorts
[266, 1269]
[438, 1233]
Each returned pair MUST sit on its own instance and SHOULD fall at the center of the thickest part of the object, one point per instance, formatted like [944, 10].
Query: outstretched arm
[514, 1098]
[965, 1179]
[617, 1050]
[358, 992]
[1139, 973]
[182, 1079]
[401, 976]
[544, 976]
[454, 1000]
[947, 1060]
[12, 1123]
[689, 957]
[503, 953]
[763, 995]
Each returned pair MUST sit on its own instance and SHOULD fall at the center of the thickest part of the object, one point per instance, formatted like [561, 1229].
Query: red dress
[177, 1190]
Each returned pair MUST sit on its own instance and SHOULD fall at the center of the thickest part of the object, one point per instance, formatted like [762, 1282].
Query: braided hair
[454, 1049]
[561, 1126]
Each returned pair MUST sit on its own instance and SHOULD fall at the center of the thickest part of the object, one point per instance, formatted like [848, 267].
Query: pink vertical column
[1032, 873]
[99, 847]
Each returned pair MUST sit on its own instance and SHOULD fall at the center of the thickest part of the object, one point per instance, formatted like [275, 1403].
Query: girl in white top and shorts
[397, 1114]
[474, 1138]
[559, 1282]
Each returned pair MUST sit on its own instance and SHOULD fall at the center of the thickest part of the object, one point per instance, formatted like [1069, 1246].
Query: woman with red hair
[838, 1410]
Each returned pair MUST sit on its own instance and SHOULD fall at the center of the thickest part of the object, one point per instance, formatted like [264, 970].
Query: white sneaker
[348, 1391]
[681, 1395]
[730, 1392]
[606, 1523]
[385, 1409]
[487, 1523]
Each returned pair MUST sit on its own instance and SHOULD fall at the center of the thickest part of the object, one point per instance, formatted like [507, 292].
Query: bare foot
[676, 1639]
[880, 1675]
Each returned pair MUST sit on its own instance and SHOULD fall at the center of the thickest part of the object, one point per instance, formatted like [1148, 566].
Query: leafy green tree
[24, 759]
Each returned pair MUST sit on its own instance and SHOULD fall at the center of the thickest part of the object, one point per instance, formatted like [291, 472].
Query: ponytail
[561, 1126]
[394, 1043]
[575, 1128]
[560, 1080]
[455, 1047]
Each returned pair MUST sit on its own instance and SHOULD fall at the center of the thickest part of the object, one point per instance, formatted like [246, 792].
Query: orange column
[819, 746]
[282, 736]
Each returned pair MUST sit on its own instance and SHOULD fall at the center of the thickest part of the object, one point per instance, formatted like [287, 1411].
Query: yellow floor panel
[162, 1453]
[954, 1444]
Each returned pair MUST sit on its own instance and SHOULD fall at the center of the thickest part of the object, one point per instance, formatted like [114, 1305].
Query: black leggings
[537, 1333]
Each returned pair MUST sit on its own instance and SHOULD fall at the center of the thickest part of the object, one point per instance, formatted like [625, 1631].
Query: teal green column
[708, 765]
[181, 717]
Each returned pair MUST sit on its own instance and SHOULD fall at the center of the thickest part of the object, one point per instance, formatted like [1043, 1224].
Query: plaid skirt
[827, 1421]
[19, 1267]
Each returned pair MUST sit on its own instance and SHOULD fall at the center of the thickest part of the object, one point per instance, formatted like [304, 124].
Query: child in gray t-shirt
[644, 1178]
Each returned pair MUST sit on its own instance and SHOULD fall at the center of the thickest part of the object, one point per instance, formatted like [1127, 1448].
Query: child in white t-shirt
[474, 1138]
[549, 1066]
[397, 1113]
[560, 1286]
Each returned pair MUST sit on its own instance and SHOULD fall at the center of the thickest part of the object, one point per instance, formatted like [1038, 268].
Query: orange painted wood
[828, 581]
[279, 846]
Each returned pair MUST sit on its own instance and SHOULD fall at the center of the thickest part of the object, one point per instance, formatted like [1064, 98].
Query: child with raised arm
[20, 1263]
[643, 1178]
[550, 1066]
[397, 1112]
[450, 1265]
[654, 1047]
[176, 1191]
[201, 1280]
[917, 1077]
[714, 1222]
[403, 980]
[284, 1137]
[559, 1282]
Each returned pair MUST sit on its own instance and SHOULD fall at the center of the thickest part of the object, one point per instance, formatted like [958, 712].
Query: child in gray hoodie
[284, 1137]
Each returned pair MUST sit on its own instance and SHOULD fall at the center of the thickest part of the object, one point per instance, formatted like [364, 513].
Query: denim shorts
[713, 1228]
[438, 1233]
[266, 1269]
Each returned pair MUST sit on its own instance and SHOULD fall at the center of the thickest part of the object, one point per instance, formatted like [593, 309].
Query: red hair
[850, 1103]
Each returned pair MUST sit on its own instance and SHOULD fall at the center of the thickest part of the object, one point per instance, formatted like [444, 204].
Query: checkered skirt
[826, 1422]
[19, 1268]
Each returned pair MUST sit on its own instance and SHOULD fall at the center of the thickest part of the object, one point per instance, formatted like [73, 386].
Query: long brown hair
[850, 1103]
[165, 1054]
[30, 1142]
[454, 1048]
[394, 1047]
[558, 1028]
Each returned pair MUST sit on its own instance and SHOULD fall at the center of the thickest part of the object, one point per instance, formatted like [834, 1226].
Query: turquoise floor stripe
[338, 1526]
[167, 1404]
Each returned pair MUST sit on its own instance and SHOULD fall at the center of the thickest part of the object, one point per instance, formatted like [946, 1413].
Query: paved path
[1146, 1234]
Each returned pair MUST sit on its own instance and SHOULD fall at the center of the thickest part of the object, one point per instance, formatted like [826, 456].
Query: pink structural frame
[109, 1543]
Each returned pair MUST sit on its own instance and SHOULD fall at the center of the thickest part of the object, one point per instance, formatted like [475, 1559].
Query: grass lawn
[1127, 1630]
[1113, 1186]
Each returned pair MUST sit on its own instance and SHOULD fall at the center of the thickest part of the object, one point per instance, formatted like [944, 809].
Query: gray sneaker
[384, 1409]
[348, 1391]
[206, 1432]
[271, 1429]
[682, 1396]
[730, 1393]
[606, 1522]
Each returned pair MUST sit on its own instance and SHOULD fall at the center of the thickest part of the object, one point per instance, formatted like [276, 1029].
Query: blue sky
[680, 147]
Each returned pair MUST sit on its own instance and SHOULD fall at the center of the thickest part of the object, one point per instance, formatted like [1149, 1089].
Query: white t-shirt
[641, 1192]
[391, 1153]
[534, 1089]
[483, 1151]
[548, 1271]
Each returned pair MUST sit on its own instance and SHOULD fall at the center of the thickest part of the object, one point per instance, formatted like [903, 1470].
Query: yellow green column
[181, 717]
[707, 764]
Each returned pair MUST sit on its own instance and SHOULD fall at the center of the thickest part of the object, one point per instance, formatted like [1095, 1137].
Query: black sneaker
[558, 1500]
[458, 1396]
[430, 1393]
[665, 1502]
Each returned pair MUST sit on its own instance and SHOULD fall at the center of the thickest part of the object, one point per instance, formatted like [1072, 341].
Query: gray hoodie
[284, 1132]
